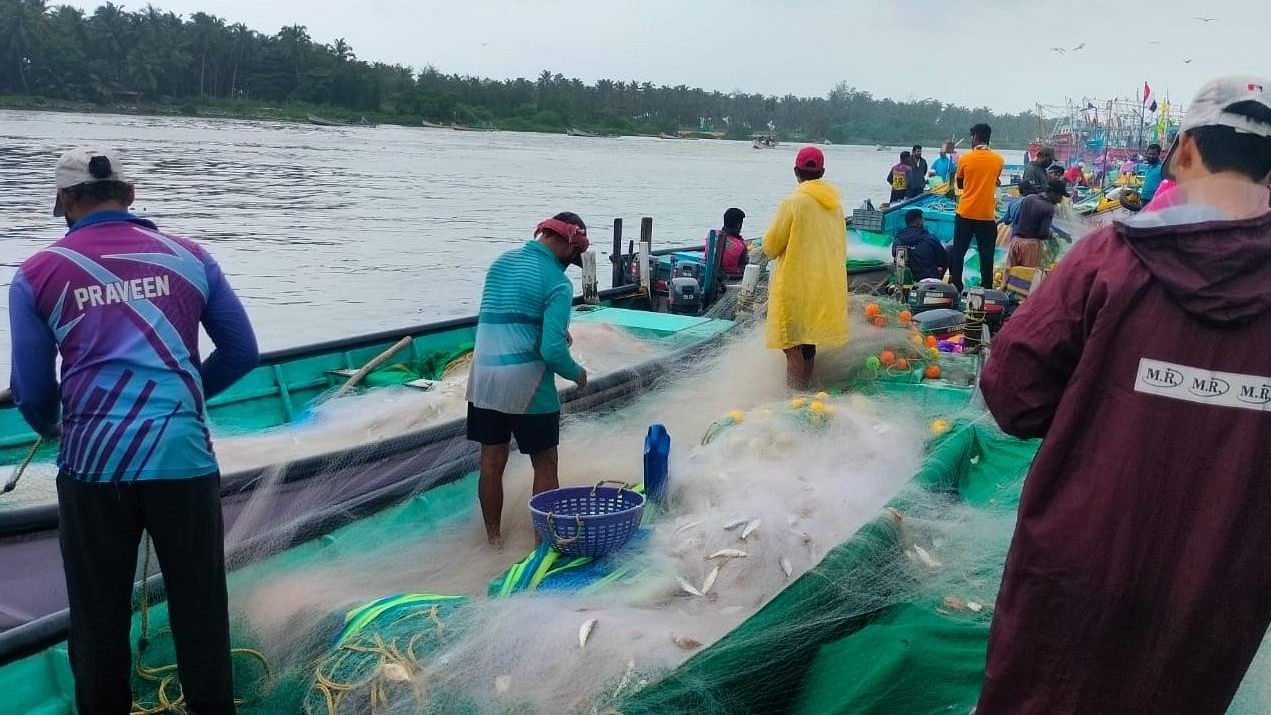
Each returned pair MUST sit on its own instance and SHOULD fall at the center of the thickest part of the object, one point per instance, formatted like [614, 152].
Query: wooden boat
[581, 133]
[433, 125]
[664, 135]
[968, 466]
[278, 393]
[462, 128]
[324, 122]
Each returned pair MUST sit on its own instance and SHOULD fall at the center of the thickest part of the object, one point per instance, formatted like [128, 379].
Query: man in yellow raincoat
[807, 300]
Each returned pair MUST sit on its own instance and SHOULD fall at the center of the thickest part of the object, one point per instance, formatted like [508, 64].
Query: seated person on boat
[927, 257]
[735, 250]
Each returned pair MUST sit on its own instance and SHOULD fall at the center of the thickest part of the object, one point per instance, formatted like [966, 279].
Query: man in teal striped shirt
[522, 345]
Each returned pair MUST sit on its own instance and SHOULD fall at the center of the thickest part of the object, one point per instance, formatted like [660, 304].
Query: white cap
[85, 165]
[1209, 107]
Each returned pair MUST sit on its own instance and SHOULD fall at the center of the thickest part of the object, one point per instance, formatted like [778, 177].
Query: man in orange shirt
[977, 176]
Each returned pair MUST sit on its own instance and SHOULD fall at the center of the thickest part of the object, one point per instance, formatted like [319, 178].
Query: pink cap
[810, 158]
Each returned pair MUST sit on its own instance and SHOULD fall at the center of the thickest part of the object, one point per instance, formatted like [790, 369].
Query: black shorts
[534, 433]
[807, 351]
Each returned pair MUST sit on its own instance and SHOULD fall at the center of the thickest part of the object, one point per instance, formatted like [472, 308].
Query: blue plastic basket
[587, 521]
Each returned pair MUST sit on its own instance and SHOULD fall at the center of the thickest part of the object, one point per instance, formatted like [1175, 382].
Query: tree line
[152, 57]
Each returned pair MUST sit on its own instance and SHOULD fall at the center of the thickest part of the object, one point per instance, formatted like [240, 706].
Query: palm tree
[21, 28]
[295, 41]
[242, 38]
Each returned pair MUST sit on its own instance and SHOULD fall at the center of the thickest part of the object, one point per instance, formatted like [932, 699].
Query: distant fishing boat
[880, 147]
[433, 125]
[581, 133]
[324, 122]
[664, 135]
[763, 141]
[462, 128]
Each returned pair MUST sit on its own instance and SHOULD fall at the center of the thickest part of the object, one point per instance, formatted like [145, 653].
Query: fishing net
[795, 476]
[830, 551]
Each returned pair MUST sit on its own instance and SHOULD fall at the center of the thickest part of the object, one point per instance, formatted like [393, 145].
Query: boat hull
[314, 493]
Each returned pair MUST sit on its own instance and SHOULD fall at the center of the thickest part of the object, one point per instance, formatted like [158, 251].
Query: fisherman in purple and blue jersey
[122, 303]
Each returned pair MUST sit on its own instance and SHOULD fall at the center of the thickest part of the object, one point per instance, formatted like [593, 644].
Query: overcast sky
[996, 55]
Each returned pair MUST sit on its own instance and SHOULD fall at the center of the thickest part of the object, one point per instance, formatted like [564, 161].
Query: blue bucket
[587, 521]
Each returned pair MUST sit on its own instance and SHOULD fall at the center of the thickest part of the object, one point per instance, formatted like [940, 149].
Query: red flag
[1147, 93]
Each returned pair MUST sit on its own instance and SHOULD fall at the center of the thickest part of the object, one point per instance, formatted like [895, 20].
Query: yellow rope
[26, 462]
[333, 691]
[456, 364]
[156, 674]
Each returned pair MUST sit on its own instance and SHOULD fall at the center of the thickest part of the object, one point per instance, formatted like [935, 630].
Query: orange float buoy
[872, 310]
[905, 316]
[880, 321]
[887, 357]
[902, 364]
[931, 341]
[932, 372]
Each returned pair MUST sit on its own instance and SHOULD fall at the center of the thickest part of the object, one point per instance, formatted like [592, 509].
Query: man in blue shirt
[522, 345]
[1151, 170]
[122, 303]
[946, 164]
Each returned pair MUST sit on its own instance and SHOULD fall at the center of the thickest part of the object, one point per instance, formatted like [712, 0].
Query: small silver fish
[736, 524]
[728, 554]
[686, 642]
[750, 529]
[709, 582]
[925, 558]
[688, 525]
[687, 587]
[975, 607]
[786, 567]
[584, 631]
[395, 672]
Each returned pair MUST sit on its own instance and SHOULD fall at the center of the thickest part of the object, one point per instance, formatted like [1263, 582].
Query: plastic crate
[867, 220]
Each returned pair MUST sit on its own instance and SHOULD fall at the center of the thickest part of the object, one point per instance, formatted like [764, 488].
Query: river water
[331, 232]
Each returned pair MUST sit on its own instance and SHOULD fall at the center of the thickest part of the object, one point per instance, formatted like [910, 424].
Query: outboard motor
[930, 295]
[940, 322]
[689, 269]
[685, 296]
[996, 308]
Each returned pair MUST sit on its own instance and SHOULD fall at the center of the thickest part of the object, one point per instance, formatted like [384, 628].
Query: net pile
[767, 582]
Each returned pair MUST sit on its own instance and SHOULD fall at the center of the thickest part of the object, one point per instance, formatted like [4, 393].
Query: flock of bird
[1082, 46]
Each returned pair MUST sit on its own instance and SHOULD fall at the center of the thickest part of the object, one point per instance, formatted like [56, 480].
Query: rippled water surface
[330, 232]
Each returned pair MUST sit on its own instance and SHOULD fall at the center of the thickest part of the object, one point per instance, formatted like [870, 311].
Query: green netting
[790, 655]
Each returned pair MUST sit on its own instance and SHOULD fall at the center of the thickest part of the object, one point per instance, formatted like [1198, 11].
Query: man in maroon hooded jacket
[1139, 576]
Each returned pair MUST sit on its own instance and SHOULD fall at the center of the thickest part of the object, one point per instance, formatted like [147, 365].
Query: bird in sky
[1153, 42]
[1082, 46]
[1057, 50]
[1188, 61]
[1206, 19]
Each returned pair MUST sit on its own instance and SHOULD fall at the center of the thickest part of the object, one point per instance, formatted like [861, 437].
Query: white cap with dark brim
[77, 167]
[1210, 107]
